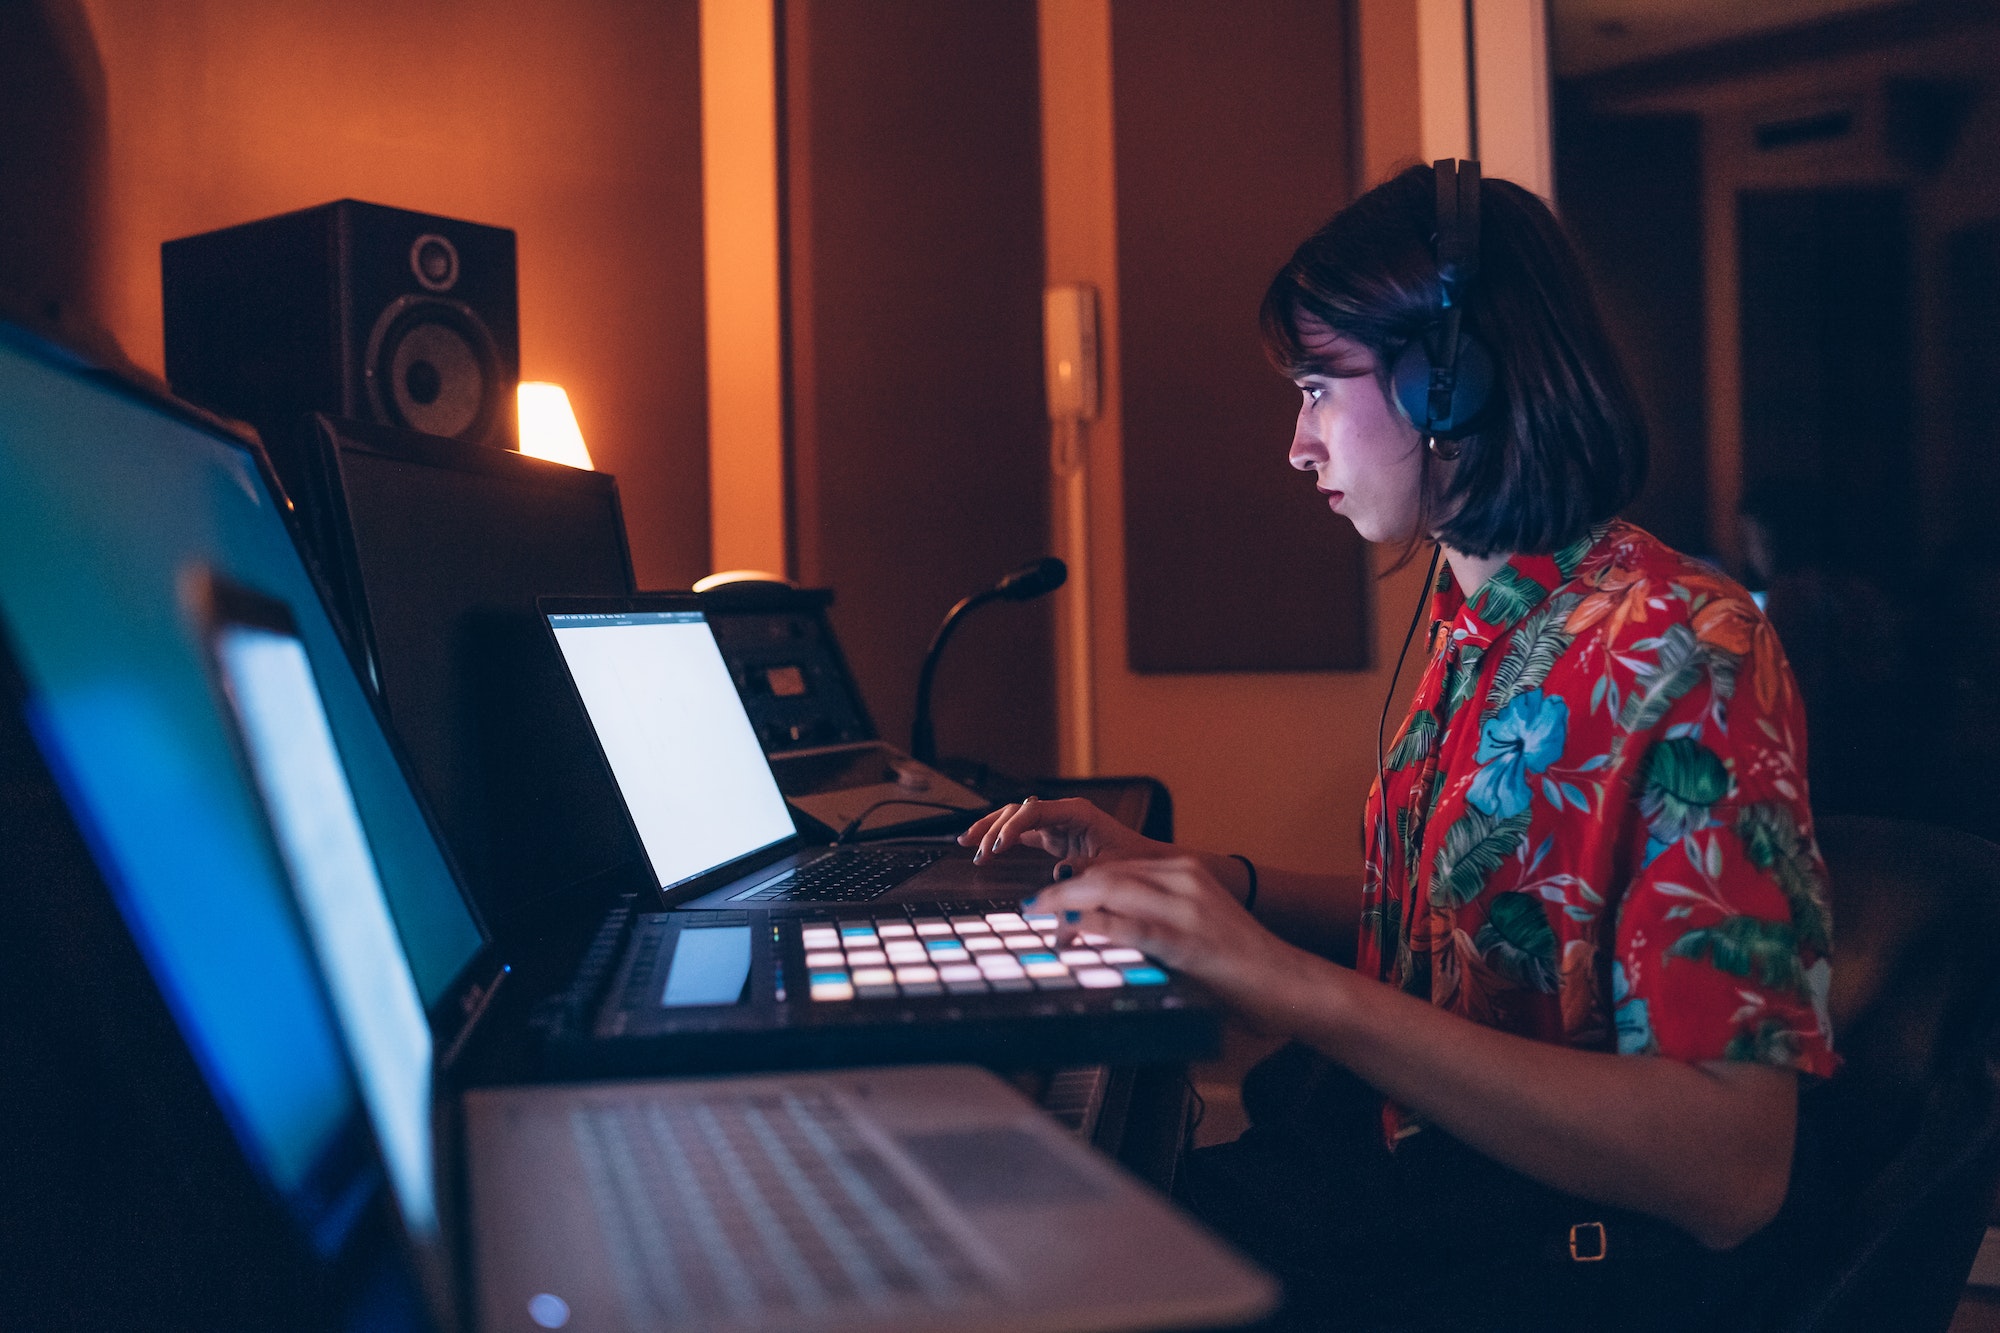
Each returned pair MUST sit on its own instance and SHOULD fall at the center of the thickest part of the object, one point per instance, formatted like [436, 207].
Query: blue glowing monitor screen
[319, 834]
[106, 503]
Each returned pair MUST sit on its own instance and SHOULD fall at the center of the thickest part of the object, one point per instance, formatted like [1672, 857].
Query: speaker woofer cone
[433, 366]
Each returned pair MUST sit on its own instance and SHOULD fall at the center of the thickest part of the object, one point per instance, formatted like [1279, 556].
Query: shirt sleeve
[1723, 935]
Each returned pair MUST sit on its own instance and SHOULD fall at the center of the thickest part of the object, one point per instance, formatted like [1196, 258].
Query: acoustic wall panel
[1233, 561]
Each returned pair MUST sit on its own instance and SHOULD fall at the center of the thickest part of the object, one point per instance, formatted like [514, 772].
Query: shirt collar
[1509, 595]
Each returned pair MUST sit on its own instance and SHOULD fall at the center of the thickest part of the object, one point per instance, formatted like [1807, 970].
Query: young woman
[1589, 956]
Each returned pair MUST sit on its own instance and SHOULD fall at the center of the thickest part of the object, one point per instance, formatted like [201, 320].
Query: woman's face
[1368, 460]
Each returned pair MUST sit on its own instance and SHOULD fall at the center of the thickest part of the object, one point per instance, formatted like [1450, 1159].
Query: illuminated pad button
[1040, 920]
[862, 958]
[970, 925]
[1049, 939]
[958, 972]
[1120, 957]
[1039, 956]
[1099, 978]
[832, 991]
[950, 956]
[895, 930]
[1095, 941]
[1020, 942]
[820, 937]
[831, 978]
[983, 943]
[826, 958]
[1000, 965]
[865, 977]
[913, 976]
[932, 926]
[1145, 976]
[906, 951]
[1006, 922]
[1078, 957]
[1043, 971]
[852, 937]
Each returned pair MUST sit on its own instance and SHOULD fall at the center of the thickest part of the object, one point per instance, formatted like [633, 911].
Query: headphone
[1442, 380]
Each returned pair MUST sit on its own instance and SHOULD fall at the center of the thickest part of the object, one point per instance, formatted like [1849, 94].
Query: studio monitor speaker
[352, 309]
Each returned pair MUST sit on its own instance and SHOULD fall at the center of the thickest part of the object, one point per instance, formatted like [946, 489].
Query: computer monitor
[437, 550]
[110, 503]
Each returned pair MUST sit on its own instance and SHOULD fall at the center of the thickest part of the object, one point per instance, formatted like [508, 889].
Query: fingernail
[1065, 870]
[1072, 917]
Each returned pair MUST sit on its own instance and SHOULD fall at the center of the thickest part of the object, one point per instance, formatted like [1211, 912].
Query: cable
[854, 824]
[1382, 723]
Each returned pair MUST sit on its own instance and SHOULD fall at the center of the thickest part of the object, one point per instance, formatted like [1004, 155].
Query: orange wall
[577, 124]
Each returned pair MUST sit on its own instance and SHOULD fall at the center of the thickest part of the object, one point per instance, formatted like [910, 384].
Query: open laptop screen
[673, 729]
[291, 750]
[106, 502]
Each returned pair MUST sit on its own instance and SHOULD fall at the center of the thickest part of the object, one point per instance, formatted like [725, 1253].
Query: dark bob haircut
[1561, 446]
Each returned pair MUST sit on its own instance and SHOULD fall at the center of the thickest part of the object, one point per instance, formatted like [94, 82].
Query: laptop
[699, 791]
[903, 951]
[910, 1198]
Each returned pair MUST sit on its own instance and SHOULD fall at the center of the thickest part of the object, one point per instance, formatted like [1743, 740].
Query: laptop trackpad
[711, 965]
[982, 1168]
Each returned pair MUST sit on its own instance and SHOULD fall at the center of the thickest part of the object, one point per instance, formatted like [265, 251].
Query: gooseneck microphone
[1024, 584]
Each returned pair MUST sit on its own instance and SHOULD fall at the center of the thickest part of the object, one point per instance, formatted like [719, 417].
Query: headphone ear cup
[1410, 382]
[1472, 387]
[1473, 391]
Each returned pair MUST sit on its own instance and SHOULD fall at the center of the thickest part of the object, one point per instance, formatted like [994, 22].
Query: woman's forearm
[1707, 1148]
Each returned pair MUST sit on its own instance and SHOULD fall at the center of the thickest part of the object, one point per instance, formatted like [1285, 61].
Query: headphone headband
[1457, 225]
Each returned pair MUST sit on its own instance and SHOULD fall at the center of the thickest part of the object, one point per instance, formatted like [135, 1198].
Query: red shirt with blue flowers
[1596, 828]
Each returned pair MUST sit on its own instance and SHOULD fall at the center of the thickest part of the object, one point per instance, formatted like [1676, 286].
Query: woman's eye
[1312, 392]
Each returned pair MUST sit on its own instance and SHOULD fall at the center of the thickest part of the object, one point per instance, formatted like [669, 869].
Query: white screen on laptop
[673, 729]
[319, 834]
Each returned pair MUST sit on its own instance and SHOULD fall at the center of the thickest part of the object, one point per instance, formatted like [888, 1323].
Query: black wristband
[1250, 897]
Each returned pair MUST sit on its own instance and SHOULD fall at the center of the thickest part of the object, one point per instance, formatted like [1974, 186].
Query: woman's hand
[1073, 831]
[1175, 909]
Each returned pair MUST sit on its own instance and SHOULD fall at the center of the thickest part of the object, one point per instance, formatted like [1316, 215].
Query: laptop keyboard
[846, 875]
[752, 1207]
[892, 953]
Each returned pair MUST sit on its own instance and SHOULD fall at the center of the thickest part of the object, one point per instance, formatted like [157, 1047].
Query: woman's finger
[1006, 817]
[1119, 893]
[978, 829]
[1019, 820]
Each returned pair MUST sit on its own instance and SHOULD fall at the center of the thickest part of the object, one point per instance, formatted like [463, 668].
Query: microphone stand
[1030, 581]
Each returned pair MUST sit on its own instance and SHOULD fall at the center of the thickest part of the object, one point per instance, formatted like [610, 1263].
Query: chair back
[1899, 1154]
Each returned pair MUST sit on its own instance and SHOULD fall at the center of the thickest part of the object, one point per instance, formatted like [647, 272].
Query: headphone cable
[1382, 723]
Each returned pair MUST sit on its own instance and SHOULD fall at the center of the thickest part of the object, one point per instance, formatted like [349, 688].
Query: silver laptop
[699, 792]
[919, 1197]
[914, 1198]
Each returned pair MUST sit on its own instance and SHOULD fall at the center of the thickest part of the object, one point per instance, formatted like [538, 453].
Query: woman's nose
[1307, 451]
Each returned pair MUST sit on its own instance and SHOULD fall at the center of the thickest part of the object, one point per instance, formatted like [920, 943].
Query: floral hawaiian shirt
[1597, 823]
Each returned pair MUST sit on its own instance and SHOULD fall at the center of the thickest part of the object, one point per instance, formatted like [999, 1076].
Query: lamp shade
[548, 425]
